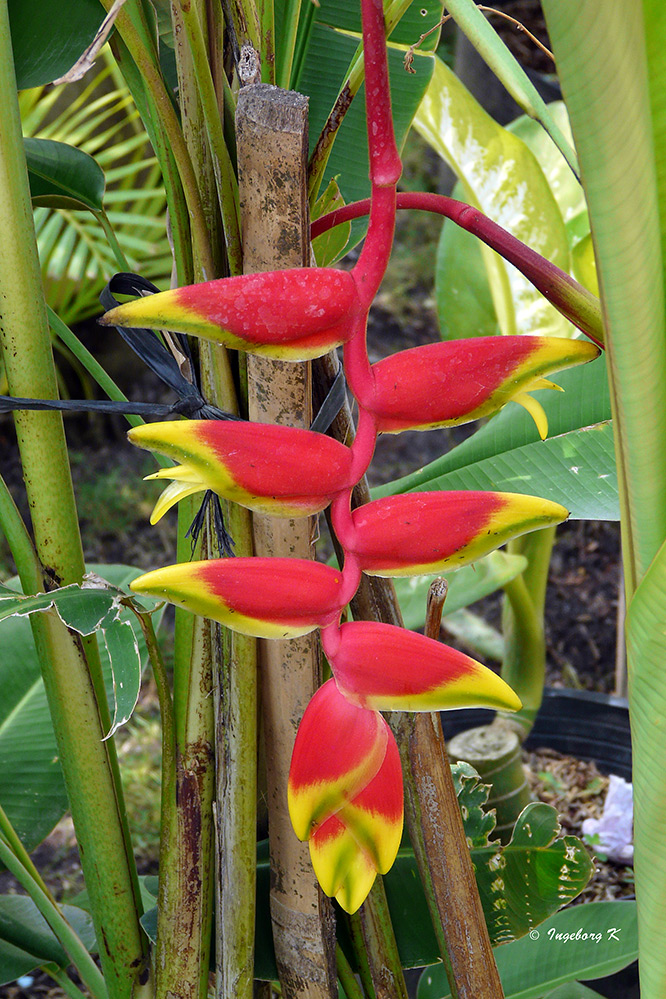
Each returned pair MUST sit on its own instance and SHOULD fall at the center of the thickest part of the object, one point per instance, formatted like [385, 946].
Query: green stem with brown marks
[70, 666]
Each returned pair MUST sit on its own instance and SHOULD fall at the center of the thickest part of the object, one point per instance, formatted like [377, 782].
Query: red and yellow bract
[281, 471]
[263, 597]
[385, 668]
[432, 532]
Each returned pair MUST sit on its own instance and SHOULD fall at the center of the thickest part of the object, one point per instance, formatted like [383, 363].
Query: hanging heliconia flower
[345, 785]
[349, 804]
[263, 597]
[282, 471]
[292, 315]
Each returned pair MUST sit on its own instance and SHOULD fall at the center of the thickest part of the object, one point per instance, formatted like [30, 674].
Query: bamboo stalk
[272, 157]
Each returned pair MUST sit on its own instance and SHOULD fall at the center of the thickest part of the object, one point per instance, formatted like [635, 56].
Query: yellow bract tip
[173, 493]
[535, 409]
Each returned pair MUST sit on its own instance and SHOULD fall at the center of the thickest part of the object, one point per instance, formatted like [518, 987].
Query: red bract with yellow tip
[292, 315]
[435, 532]
[263, 597]
[282, 471]
[362, 839]
[345, 794]
[450, 383]
[386, 668]
[339, 748]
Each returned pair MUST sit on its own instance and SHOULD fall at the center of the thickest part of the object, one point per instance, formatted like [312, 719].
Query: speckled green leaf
[529, 967]
[500, 176]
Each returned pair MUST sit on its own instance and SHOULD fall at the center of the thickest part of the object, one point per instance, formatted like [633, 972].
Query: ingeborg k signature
[612, 933]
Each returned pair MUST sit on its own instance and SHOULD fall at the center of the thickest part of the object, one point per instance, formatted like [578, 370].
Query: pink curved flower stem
[569, 297]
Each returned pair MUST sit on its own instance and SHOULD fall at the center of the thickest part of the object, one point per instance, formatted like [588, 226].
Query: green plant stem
[70, 666]
[163, 696]
[18, 539]
[91, 365]
[64, 981]
[169, 127]
[346, 976]
[285, 56]
[235, 680]
[225, 178]
[266, 16]
[524, 652]
[179, 216]
[524, 664]
[16, 846]
[186, 847]
[376, 928]
[121, 259]
[90, 974]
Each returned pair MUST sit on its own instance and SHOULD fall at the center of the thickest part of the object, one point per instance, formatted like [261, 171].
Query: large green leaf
[48, 40]
[62, 176]
[566, 188]
[646, 650]
[582, 942]
[511, 74]
[610, 64]
[464, 300]
[501, 176]
[32, 791]
[27, 941]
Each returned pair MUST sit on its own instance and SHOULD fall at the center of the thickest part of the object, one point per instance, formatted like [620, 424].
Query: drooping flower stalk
[345, 792]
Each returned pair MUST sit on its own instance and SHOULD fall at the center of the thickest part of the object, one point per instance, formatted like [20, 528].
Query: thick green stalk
[185, 890]
[346, 976]
[167, 129]
[524, 665]
[67, 937]
[71, 668]
[285, 56]
[225, 178]
[604, 71]
[375, 930]
[236, 696]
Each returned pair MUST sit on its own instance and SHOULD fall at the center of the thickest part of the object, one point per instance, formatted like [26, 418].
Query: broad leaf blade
[500, 176]
[63, 177]
[531, 966]
[32, 791]
[47, 41]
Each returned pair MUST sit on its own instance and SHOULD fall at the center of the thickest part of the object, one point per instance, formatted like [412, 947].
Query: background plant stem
[71, 667]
